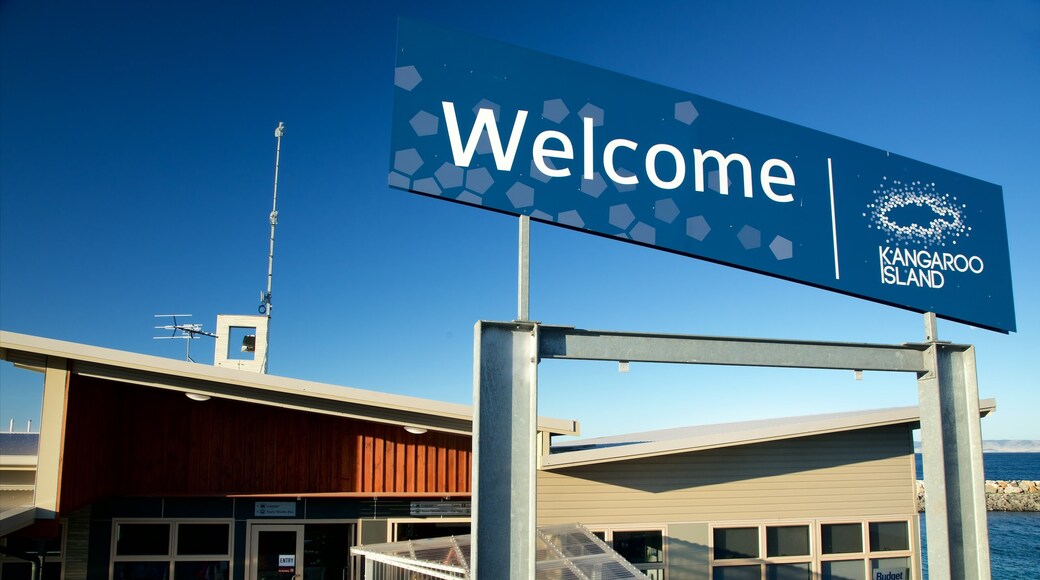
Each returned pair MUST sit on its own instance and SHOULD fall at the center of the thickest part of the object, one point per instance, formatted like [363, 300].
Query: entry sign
[516, 131]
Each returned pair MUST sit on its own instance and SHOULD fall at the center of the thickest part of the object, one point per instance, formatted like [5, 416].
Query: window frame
[608, 538]
[393, 523]
[762, 561]
[867, 553]
[48, 558]
[172, 557]
[816, 557]
[249, 562]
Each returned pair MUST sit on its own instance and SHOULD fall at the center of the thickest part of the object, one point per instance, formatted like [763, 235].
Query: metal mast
[265, 297]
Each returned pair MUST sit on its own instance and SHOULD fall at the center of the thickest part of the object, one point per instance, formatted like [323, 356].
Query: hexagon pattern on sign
[555, 110]
[749, 237]
[571, 218]
[594, 187]
[621, 216]
[479, 180]
[428, 184]
[406, 77]
[407, 161]
[781, 248]
[537, 173]
[666, 210]
[449, 176]
[643, 233]
[697, 228]
[521, 195]
[585, 148]
[424, 124]
[685, 112]
[593, 112]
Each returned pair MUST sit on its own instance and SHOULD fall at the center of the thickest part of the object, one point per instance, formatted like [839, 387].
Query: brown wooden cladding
[130, 440]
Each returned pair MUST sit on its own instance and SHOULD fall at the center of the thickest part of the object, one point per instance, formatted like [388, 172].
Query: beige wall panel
[861, 473]
[687, 551]
[374, 532]
[52, 435]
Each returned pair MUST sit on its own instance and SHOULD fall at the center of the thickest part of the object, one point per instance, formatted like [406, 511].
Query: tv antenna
[187, 332]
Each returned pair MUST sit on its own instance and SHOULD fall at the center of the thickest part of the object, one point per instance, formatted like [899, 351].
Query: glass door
[311, 551]
[277, 552]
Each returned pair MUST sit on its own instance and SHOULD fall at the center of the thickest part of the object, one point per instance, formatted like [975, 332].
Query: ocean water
[1014, 545]
[1006, 466]
[1014, 537]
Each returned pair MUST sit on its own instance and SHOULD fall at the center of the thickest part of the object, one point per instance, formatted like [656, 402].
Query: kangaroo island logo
[916, 212]
[919, 225]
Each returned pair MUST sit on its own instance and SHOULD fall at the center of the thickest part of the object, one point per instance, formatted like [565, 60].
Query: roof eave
[187, 377]
[865, 420]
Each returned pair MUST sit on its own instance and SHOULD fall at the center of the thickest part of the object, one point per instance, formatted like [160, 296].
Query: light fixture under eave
[415, 430]
[197, 396]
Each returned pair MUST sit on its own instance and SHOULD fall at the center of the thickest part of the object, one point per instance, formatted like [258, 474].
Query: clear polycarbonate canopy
[562, 552]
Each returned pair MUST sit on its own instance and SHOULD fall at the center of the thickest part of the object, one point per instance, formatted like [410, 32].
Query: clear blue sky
[136, 158]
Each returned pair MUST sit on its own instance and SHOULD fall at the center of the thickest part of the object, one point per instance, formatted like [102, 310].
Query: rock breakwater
[1002, 496]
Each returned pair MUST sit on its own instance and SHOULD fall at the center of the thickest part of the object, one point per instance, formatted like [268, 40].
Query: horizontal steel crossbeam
[558, 342]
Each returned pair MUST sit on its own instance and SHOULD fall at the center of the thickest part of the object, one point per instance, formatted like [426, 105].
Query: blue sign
[496, 126]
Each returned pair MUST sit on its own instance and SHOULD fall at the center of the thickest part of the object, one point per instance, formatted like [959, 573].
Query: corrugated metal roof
[21, 444]
[702, 437]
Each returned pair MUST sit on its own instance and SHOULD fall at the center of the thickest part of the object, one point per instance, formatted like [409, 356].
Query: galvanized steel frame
[505, 442]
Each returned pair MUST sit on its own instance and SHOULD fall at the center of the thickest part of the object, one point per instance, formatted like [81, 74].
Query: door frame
[254, 530]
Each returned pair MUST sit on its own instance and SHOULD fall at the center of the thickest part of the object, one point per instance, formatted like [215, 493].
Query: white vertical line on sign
[834, 220]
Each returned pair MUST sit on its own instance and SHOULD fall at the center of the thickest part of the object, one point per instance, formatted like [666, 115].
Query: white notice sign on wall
[279, 509]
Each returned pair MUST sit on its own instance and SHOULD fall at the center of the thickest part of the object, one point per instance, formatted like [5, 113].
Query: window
[843, 570]
[639, 548]
[888, 565]
[888, 536]
[784, 541]
[326, 551]
[737, 573]
[644, 549]
[202, 539]
[735, 543]
[737, 552]
[857, 550]
[165, 550]
[142, 539]
[12, 568]
[417, 530]
[241, 343]
[845, 550]
[801, 571]
[841, 538]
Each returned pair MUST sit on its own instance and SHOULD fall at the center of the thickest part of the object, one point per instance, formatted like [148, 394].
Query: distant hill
[1002, 446]
[1011, 445]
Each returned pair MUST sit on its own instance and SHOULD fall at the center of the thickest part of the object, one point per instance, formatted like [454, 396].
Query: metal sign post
[524, 273]
[951, 440]
[505, 450]
[505, 436]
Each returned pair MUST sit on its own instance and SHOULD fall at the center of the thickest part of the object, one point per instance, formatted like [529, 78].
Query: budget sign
[492, 125]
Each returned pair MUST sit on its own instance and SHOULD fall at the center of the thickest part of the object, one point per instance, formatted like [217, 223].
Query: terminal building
[148, 468]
